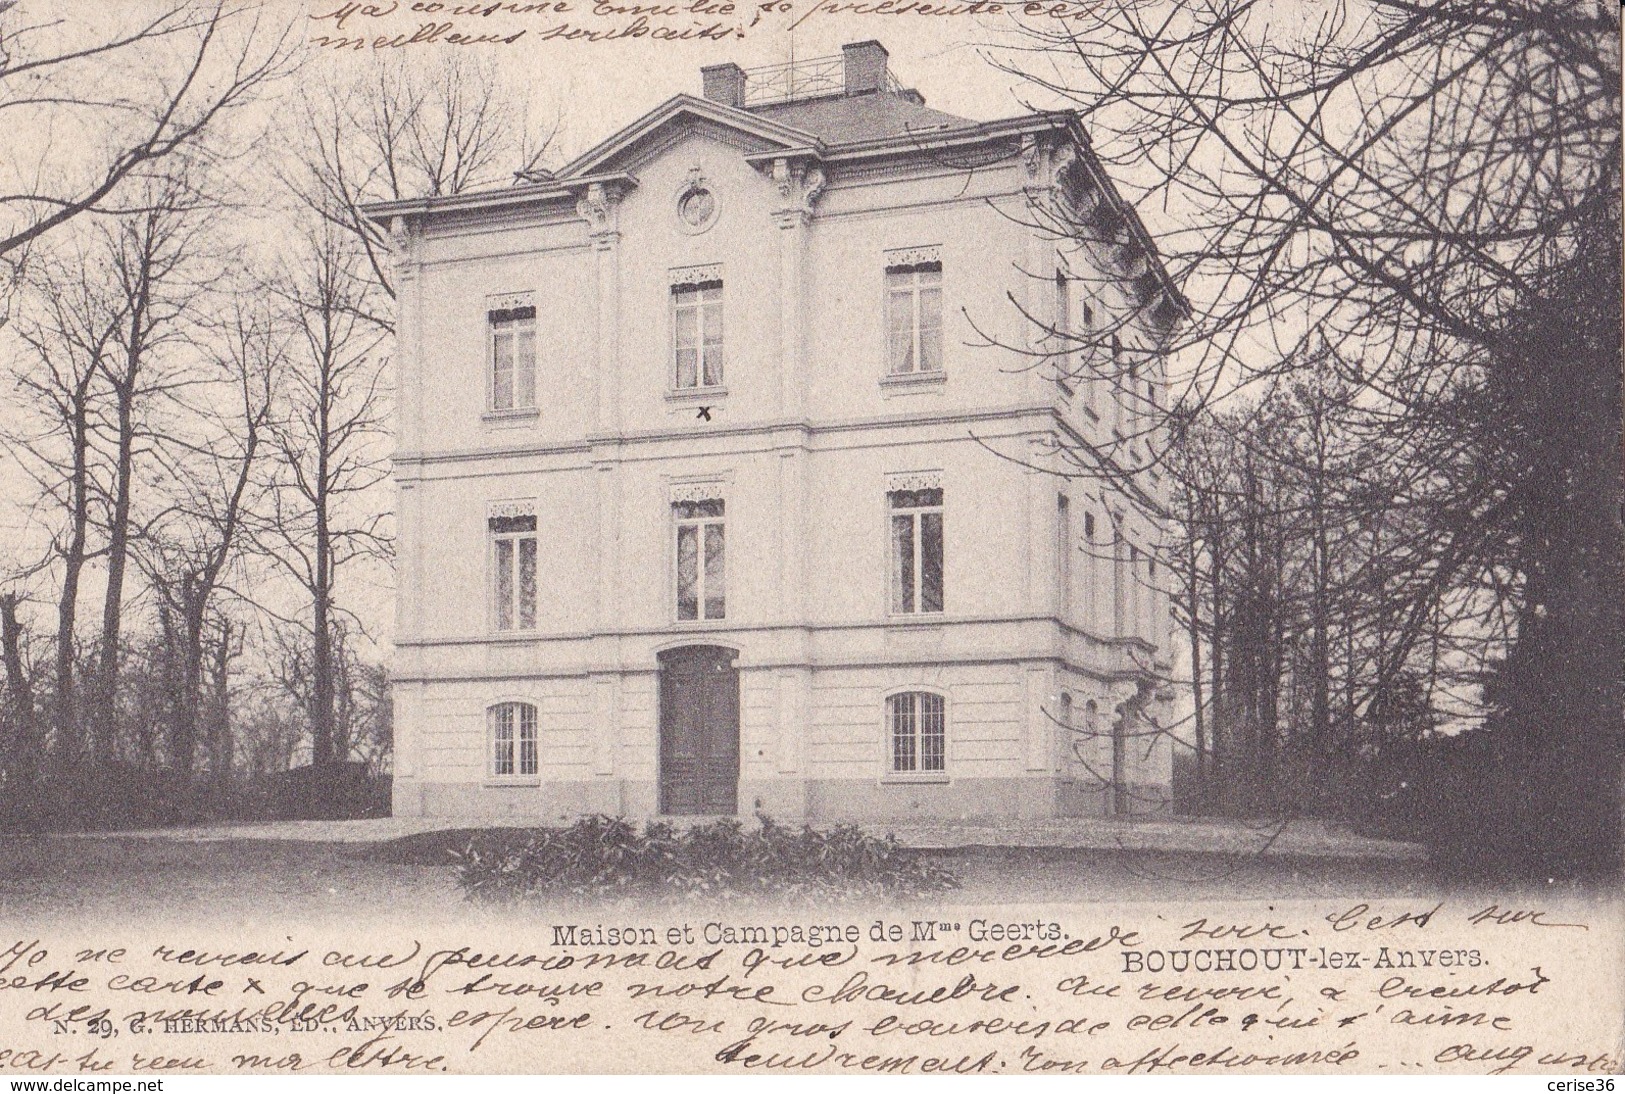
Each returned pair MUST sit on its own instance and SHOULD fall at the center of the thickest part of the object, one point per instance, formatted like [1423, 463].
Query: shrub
[610, 857]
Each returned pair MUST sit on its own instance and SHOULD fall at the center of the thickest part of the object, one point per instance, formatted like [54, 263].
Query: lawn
[114, 879]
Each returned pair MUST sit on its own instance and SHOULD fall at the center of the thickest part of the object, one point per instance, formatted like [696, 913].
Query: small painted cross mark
[705, 414]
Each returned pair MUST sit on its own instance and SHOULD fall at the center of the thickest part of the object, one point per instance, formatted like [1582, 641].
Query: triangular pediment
[681, 117]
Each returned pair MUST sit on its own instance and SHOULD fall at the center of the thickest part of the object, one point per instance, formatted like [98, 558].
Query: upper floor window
[916, 550]
[701, 563]
[1092, 374]
[917, 723]
[914, 317]
[513, 357]
[513, 739]
[1117, 411]
[1120, 590]
[513, 562]
[1063, 315]
[1063, 553]
[697, 333]
[1131, 594]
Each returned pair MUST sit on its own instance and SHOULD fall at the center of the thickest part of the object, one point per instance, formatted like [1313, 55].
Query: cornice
[944, 622]
[763, 428]
[560, 191]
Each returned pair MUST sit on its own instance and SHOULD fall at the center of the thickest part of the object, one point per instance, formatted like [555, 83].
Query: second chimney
[865, 67]
[725, 84]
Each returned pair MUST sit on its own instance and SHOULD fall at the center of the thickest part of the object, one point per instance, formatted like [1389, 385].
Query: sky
[606, 85]
[593, 88]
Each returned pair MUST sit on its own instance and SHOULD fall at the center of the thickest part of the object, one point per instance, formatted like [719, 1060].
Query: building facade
[722, 470]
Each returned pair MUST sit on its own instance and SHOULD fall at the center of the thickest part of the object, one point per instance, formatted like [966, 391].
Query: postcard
[811, 537]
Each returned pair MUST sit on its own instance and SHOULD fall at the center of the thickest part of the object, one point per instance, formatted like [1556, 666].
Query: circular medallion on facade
[696, 207]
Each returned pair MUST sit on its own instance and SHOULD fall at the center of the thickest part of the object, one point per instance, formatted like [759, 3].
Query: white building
[701, 506]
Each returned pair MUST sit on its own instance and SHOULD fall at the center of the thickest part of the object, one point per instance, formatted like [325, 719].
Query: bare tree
[152, 257]
[71, 332]
[136, 84]
[1383, 191]
[327, 430]
[411, 130]
[218, 488]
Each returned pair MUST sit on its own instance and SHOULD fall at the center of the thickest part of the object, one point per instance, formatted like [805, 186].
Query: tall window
[919, 732]
[1063, 554]
[1150, 596]
[513, 358]
[697, 333]
[1063, 323]
[701, 565]
[513, 558]
[916, 547]
[1119, 584]
[1069, 743]
[1091, 375]
[1131, 396]
[1118, 423]
[914, 317]
[1089, 598]
[1133, 614]
[513, 739]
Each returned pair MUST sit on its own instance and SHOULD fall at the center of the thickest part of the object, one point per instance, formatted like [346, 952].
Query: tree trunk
[103, 718]
[220, 737]
[18, 753]
[321, 684]
[70, 740]
[1320, 651]
[189, 692]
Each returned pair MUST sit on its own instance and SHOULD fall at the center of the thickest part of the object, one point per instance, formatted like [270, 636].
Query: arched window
[513, 740]
[917, 723]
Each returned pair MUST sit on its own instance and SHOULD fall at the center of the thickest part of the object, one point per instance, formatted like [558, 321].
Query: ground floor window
[513, 739]
[918, 725]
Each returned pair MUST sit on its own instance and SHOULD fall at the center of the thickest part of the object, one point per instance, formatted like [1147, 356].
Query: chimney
[725, 84]
[865, 67]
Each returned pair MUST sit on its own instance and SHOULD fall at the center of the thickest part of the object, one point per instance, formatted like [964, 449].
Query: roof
[843, 128]
[846, 119]
[768, 132]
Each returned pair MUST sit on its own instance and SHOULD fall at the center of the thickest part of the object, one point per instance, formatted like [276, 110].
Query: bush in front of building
[608, 857]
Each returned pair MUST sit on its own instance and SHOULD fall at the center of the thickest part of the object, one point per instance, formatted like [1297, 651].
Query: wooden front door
[699, 731]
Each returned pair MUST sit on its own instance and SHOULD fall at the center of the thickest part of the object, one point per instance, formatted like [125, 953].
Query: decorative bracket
[599, 205]
[800, 182]
[403, 244]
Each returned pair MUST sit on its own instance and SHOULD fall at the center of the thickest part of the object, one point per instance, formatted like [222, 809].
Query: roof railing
[803, 79]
